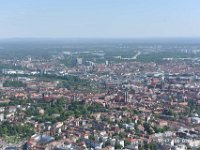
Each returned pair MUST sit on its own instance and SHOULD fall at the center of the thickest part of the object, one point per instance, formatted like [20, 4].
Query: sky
[99, 18]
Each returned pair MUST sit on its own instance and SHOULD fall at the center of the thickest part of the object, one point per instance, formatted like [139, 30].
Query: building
[126, 96]
[1, 117]
[1, 85]
[79, 61]
[38, 141]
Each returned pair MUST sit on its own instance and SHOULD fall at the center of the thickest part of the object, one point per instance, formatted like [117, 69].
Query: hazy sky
[99, 18]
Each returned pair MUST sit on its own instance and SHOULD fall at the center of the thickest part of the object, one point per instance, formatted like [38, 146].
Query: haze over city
[99, 74]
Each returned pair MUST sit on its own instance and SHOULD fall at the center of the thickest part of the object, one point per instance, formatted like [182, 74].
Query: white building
[79, 61]
[180, 147]
[195, 120]
[1, 117]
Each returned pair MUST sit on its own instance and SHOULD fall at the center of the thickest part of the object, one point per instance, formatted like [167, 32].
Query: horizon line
[177, 37]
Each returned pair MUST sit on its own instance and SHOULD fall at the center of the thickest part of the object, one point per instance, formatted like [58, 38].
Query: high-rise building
[126, 96]
[79, 61]
[1, 84]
